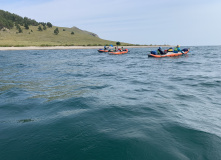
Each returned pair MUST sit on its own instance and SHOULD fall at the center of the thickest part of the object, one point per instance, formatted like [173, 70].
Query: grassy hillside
[33, 37]
[18, 31]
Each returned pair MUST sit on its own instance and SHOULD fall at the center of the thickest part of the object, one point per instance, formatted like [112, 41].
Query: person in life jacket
[159, 51]
[177, 49]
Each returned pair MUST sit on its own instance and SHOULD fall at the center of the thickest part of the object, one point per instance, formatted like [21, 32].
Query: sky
[156, 22]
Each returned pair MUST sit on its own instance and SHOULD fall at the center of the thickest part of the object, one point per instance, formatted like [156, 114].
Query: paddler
[177, 49]
[159, 51]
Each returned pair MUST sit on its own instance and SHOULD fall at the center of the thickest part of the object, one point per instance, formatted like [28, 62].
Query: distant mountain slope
[90, 33]
[18, 31]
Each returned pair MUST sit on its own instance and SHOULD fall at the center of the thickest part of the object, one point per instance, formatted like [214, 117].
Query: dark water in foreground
[84, 105]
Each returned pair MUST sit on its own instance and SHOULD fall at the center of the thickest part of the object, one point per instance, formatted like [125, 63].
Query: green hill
[18, 31]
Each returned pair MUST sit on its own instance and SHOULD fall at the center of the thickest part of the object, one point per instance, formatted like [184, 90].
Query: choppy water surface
[81, 104]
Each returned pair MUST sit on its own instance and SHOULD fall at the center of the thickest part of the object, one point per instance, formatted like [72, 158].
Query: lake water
[85, 105]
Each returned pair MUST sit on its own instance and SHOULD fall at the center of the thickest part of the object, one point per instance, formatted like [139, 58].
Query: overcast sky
[184, 22]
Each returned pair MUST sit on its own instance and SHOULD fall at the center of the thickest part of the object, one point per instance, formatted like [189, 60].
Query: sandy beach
[66, 47]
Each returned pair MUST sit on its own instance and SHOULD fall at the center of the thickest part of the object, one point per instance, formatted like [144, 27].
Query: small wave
[25, 120]
[211, 84]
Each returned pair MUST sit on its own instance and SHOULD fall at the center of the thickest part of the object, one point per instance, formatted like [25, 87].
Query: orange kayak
[169, 54]
[119, 52]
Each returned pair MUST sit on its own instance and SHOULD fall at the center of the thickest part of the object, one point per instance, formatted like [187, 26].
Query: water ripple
[80, 104]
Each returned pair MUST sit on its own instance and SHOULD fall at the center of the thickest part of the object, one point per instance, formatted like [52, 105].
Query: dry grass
[48, 38]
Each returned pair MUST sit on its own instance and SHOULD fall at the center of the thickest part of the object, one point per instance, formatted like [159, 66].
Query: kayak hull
[102, 51]
[169, 54]
[119, 52]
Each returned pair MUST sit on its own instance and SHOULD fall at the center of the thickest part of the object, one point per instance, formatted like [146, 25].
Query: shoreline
[68, 47]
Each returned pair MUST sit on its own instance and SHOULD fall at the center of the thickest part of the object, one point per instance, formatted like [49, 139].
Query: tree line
[9, 20]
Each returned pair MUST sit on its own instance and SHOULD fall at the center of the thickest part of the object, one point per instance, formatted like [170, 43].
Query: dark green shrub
[49, 24]
[39, 28]
[56, 31]
[118, 43]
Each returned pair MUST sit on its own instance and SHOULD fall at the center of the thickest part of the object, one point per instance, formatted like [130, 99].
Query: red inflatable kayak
[168, 54]
[119, 52]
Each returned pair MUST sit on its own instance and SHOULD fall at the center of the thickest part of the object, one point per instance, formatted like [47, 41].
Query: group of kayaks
[119, 51]
[166, 53]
